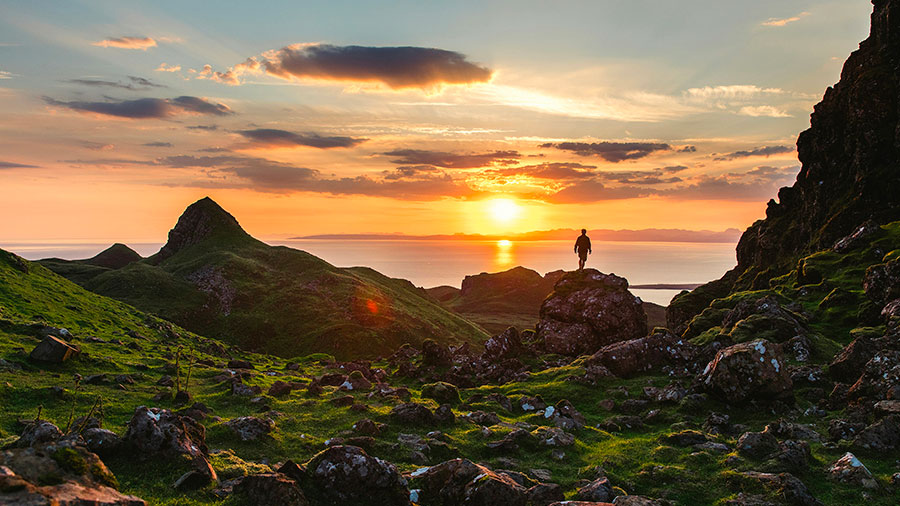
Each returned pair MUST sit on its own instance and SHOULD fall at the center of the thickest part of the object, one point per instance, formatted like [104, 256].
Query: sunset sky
[408, 116]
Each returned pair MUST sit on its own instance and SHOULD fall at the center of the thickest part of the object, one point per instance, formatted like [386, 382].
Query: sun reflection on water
[504, 257]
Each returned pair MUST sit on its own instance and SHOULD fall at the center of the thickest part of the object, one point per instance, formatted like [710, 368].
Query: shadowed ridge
[115, 257]
[849, 179]
[203, 221]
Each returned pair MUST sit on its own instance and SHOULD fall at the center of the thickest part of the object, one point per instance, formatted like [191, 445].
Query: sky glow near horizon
[411, 117]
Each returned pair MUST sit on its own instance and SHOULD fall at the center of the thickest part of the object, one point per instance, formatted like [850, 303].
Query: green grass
[638, 461]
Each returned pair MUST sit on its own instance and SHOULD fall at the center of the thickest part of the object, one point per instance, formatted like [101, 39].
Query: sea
[430, 263]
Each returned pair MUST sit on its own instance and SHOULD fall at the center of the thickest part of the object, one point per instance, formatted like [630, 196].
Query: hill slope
[215, 279]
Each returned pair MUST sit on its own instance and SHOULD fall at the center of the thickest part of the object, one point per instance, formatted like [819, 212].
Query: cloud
[142, 43]
[557, 171]
[688, 149]
[610, 151]
[137, 83]
[271, 137]
[158, 144]
[214, 150]
[146, 108]
[452, 160]
[734, 91]
[6, 75]
[163, 67]
[394, 67]
[13, 165]
[413, 172]
[758, 184]
[203, 127]
[594, 191]
[763, 111]
[405, 183]
[784, 21]
[766, 151]
[97, 146]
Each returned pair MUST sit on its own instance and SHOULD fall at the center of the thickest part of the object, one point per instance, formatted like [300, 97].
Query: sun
[503, 210]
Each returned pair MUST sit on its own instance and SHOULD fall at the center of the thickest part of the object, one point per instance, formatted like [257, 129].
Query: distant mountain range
[730, 235]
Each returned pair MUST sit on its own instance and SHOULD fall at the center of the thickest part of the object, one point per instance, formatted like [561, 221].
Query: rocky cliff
[850, 172]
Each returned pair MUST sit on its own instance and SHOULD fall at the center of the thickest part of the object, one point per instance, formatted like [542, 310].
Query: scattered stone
[848, 469]
[743, 371]
[367, 427]
[101, 441]
[599, 490]
[435, 355]
[347, 475]
[553, 436]
[882, 436]
[543, 494]
[507, 344]
[659, 351]
[786, 486]
[250, 428]
[280, 388]
[483, 418]
[564, 415]
[239, 364]
[444, 415]
[53, 349]
[686, 438]
[39, 432]
[443, 393]
[271, 489]
[757, 445]
[412, 413]
[460, 481]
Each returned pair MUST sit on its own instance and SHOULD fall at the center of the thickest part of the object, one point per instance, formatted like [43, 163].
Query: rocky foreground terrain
[778, 384]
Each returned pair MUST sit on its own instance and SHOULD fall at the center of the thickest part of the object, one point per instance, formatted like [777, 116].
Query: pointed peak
[204, 220]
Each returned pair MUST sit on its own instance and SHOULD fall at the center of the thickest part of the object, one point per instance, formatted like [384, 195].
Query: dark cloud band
[452, 160]
[284, 138]
[610, 151]
[146, 108]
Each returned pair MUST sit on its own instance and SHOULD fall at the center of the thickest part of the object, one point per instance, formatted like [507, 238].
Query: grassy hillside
[639, 460]
[215, 279]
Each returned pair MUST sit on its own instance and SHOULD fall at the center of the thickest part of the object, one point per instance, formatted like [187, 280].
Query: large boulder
[879, 377]
[347, 475]
[848, 469]
[461, 481]
[847, 364]
[588, 310]
[507, 344]
[39, 432]
[78, 477]
[270, 489]
[154, 431]
[752, 370]
[656, 352]
[54, 349]
[882, 282]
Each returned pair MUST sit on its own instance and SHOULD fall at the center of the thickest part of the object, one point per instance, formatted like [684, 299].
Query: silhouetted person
[583, 248]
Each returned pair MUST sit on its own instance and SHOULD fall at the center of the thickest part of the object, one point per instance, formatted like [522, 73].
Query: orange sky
[115, 119]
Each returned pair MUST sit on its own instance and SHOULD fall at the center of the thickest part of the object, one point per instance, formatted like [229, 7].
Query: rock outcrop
[848, 177]
[588, 310]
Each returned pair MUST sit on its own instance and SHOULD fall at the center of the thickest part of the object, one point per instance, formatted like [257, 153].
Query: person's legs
[581, 260]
